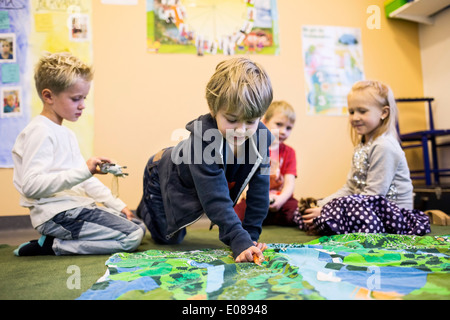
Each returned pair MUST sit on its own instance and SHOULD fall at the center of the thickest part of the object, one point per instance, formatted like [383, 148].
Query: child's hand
[276, 202]
[310, 214]
[94, 162]
[260, 246]
[248, 255]
[128, 213]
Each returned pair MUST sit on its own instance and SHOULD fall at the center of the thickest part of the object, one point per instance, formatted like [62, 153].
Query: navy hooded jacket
[201, 175]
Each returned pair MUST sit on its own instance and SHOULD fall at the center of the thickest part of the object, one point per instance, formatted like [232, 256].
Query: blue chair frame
[426, 139]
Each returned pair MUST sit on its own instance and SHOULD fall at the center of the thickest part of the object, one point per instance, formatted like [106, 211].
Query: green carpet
[50, 277]
[46, 277]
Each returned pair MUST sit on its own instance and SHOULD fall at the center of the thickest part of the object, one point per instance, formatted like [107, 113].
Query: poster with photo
[65, 26]
[333, 61]
[15, 73]
[29, 29]
[212, 27]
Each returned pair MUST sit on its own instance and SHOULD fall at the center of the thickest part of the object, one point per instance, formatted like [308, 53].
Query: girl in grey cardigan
[378, 193]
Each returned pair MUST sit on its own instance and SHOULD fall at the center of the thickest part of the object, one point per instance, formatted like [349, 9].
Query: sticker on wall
[212, 27]
[333, 62]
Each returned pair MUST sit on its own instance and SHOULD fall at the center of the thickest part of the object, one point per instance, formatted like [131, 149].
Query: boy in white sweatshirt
[54, 180]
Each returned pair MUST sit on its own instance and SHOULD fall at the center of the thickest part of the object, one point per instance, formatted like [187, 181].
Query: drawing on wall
[212, 26]
[333, 61]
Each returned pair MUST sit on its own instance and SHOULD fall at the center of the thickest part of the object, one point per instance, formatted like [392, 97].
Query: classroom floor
[17, 237]
[45, 277]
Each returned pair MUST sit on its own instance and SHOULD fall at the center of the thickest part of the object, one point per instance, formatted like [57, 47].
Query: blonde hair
[239, 86]
[280, 106]
[59, 71]
[382, 96]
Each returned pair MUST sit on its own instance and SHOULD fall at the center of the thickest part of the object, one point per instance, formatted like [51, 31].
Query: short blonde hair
[382, 96]
[59, 71]
[239, 86]
[280, 106]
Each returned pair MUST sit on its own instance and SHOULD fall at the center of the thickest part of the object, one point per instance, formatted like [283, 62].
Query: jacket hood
[207, 122]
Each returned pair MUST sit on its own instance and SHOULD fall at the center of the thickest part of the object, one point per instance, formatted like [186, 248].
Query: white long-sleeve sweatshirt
[51, 174]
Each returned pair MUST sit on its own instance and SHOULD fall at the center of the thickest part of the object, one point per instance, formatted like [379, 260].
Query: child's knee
[133, 240]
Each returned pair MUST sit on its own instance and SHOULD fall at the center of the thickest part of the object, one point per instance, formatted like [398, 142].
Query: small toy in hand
[112, 168]
[306, 203]
[303, 204]
[258, 260]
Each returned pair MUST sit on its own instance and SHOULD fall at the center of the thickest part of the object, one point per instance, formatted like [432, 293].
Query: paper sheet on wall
[333, 61]
[62, 26]
[33, 28]
[212, 27]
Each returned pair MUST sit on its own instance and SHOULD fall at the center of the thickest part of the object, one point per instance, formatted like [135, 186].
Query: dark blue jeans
[151, 207]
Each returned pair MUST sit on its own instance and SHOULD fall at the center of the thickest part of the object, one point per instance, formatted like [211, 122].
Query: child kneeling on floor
[56, 183]
[280, 120]
[227, 150]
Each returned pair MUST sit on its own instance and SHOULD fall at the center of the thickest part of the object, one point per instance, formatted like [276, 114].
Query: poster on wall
[14, 75]
[333, 61]
[212, 27]
[29, 29]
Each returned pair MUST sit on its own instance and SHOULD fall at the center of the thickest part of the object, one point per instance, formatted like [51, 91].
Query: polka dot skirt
[367, 214]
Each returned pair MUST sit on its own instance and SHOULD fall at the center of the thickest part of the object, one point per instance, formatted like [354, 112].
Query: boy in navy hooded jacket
[226, 151]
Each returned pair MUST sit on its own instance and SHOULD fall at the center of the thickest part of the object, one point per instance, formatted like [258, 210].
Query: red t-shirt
[281, 163]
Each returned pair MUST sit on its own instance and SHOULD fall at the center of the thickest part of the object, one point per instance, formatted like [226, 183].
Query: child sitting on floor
[378, 194]
[55, 182]
[227, 150]
[279, 119]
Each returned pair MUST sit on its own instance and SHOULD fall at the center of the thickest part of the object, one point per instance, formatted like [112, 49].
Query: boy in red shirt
[279, 119]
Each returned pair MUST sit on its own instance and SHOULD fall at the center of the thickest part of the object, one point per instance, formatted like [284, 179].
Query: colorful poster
[333, 61]
[14, 75]
[212, 26]
[29, 29]
[65, 26]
